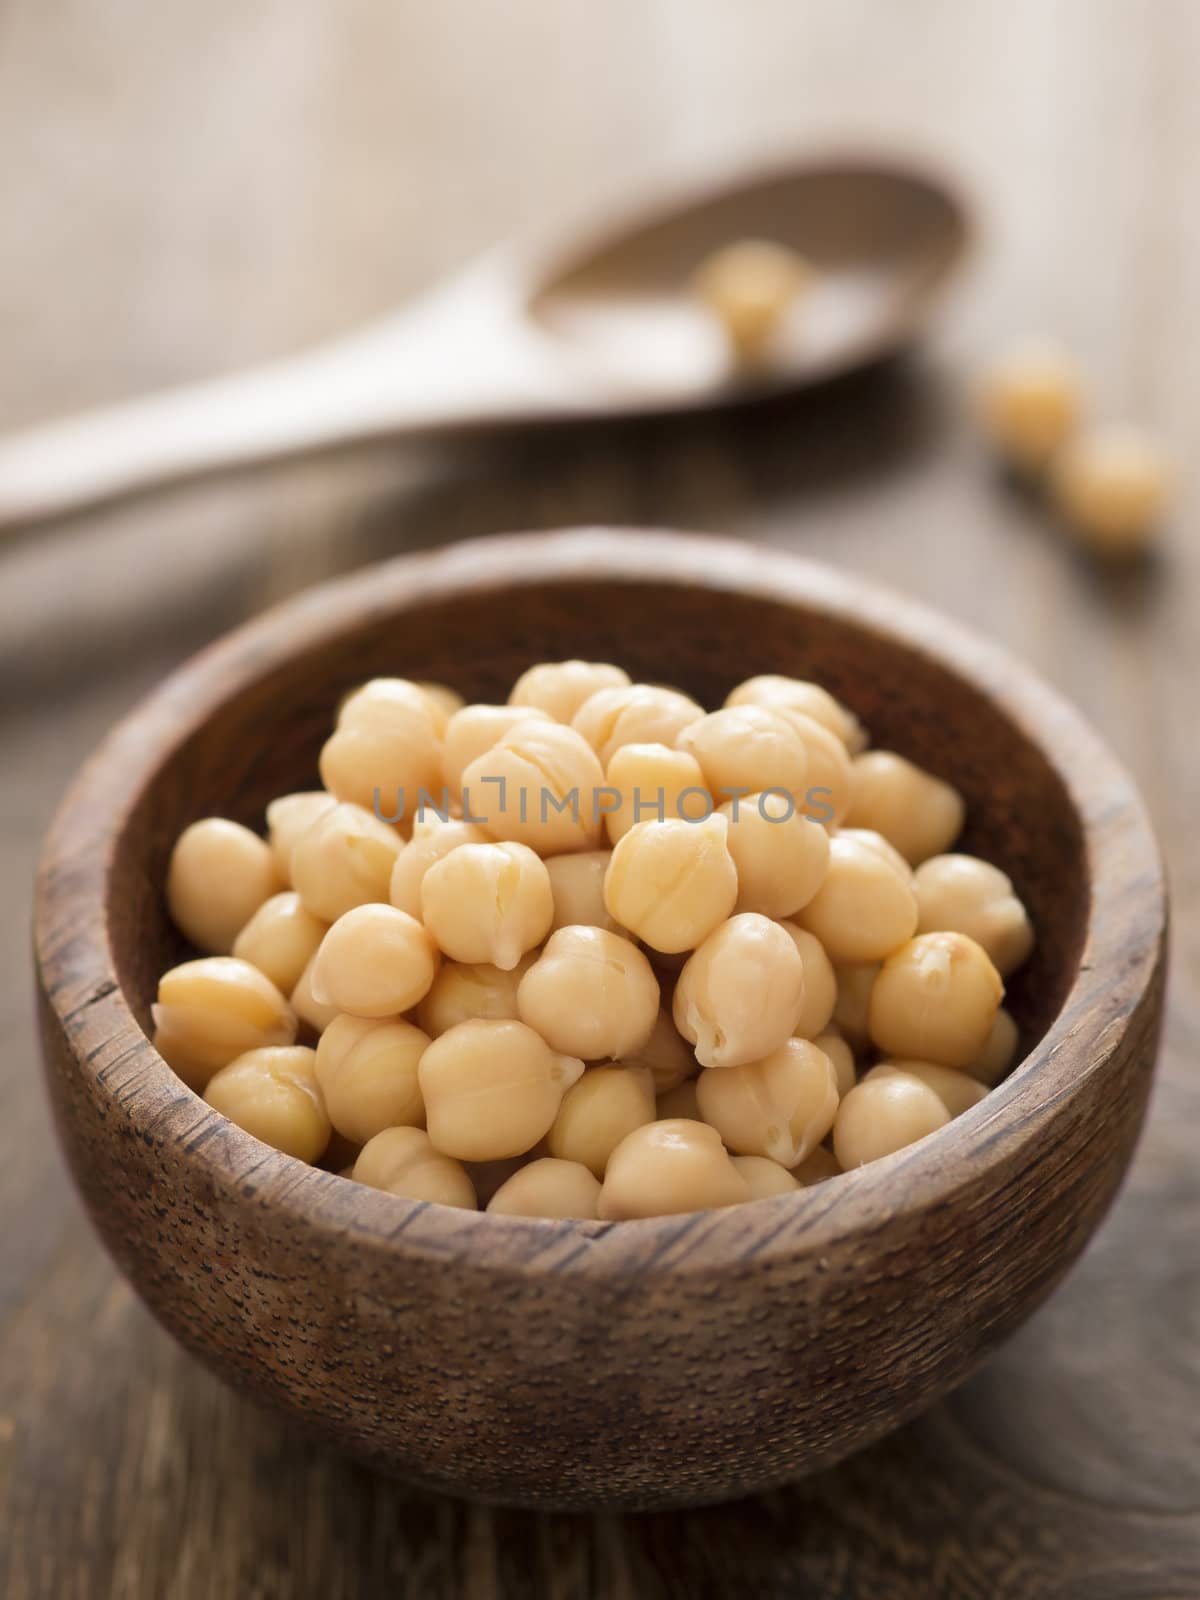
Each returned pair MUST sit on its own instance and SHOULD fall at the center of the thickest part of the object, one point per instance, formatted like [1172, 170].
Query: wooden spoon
[599, 322]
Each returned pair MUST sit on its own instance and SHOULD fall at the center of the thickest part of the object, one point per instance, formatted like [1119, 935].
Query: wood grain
[164, 228]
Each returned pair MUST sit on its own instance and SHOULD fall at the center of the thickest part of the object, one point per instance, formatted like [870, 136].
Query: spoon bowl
[594, 321]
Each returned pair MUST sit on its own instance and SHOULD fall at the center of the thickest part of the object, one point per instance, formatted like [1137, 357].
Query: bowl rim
[79, 981]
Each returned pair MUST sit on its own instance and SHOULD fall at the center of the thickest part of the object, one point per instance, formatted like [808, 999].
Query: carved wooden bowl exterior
[577, 1364]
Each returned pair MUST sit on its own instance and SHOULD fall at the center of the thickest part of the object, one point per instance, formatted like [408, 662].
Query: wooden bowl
[576, 1364]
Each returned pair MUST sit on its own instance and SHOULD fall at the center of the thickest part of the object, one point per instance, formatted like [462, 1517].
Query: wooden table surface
[193, 186]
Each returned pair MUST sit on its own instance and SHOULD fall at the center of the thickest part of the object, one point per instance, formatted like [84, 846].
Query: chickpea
[830, 770]
[667, 1057]
[441, 702]
[882, 848]
[280, 939]
[750, 287]
[367, 1070]
[664, 1168]
[374, 962]
[853, 1001]
[315, 1014]
[464, 991]
[820, 983]
[794, 694]
[219, 875]
[961, 894]
[765, 1177]
[559, 688]
[817, 1168]
[741, 993]
[781, 855]
[473, 731]
[654, 783]
[488, 903]
[1029, 403]
[643, 713]
[548, 1188]
[672, 883]
[746, 749]
[681, 1101]
[597, 1112]
[492, 1089]
[385, 749]
[539, 785]
[1112, 485]
[273, 1094]
[865, 907]
[289, 817]
[211, 1011]
[840, 1053]
[577, 885]
[590, 994]
[431, 842]
[935, 999]
[883, 1115]
[781, 1106]
[957, 1091]
[344, 859]
[403, 1162]
[913, 810]
[996, 1057]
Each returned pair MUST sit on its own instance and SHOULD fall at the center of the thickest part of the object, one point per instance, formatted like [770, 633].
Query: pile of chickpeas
[595, 953]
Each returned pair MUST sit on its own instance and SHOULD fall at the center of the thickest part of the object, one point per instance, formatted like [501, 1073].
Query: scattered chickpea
[883, 1115]
[746, 749]
[741, 992]
[641, 713]
[273, 1093]
[795, 694]
[597, 1112]
[663, 1168]
[280, 939]
[577, 886]
[342, 860]
[289, 817]
[367, 1070]
[385, 745]
[751, 287]
[914, 811]
[431, 842]
[781, 1106]
[1029, 403]
[671, 883]
[590, 994]
[492, 1089]
[375, 961]
[820, 983]
[403, 1161]
[999, 1052]
[559, 688]
[474, 730]
[219, 875]
[653, 783]
[765, 1177]
[1112, 486]
[780, 854]
[212, 1010]
[488, 903]
[465, 991]
[935, 999]
[962, 894]
[538, 786]
[548, 1188]
[865, 908]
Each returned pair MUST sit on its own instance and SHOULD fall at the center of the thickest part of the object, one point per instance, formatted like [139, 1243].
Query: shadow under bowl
[581, 1364]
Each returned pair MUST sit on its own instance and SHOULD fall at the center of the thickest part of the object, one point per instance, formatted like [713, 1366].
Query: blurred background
[192, 188]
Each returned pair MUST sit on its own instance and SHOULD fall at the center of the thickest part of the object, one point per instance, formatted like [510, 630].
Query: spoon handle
[458, 357]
